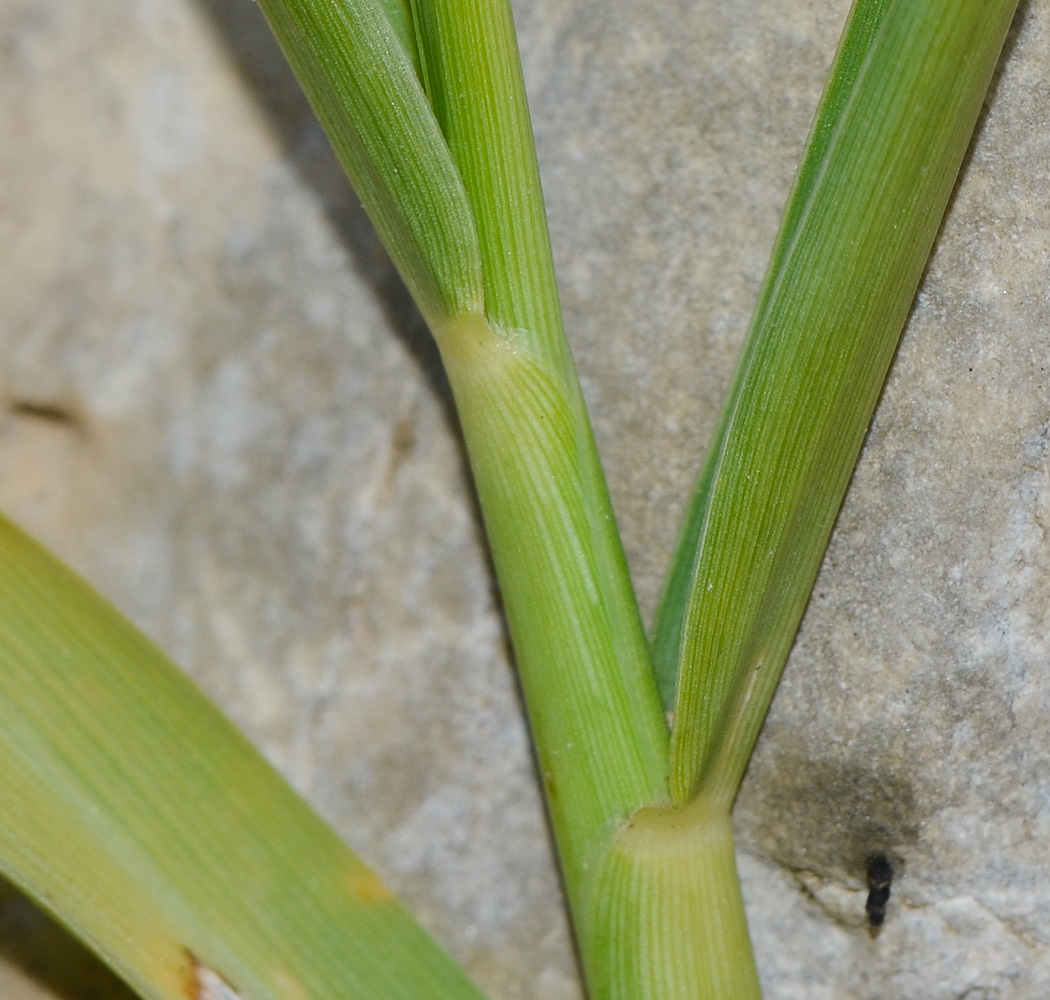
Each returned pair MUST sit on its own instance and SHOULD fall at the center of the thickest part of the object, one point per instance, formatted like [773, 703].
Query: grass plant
[103, 743]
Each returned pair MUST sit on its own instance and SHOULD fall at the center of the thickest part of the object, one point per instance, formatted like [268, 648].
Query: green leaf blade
[139, 816]
[841, 282]
[861, 25]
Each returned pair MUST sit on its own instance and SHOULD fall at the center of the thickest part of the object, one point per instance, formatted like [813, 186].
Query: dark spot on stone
[880, 877]
[45, 412]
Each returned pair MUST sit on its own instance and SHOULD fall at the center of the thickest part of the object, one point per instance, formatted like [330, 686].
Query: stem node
[666, 917]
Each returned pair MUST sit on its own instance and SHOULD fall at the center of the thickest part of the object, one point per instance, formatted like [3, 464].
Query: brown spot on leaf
[550, 786]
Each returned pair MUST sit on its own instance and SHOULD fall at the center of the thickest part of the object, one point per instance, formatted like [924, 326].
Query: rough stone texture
[216, 403]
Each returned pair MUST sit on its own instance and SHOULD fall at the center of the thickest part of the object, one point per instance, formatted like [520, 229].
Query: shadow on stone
[259, 62]
[829, 818]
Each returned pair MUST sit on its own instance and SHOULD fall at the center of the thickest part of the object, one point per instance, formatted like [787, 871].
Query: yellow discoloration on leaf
[367, 886]
[289, 986]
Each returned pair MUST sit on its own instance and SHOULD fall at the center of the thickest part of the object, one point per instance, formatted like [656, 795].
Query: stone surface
[217, 404]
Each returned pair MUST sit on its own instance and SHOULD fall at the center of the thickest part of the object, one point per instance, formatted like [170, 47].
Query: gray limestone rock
[218, 405]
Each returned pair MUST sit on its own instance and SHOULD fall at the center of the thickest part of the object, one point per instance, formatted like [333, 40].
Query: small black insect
[880, 875]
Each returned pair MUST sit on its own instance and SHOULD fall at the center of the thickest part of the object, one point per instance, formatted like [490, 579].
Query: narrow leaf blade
[140, 817]
[861, 25]
[827, 326]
